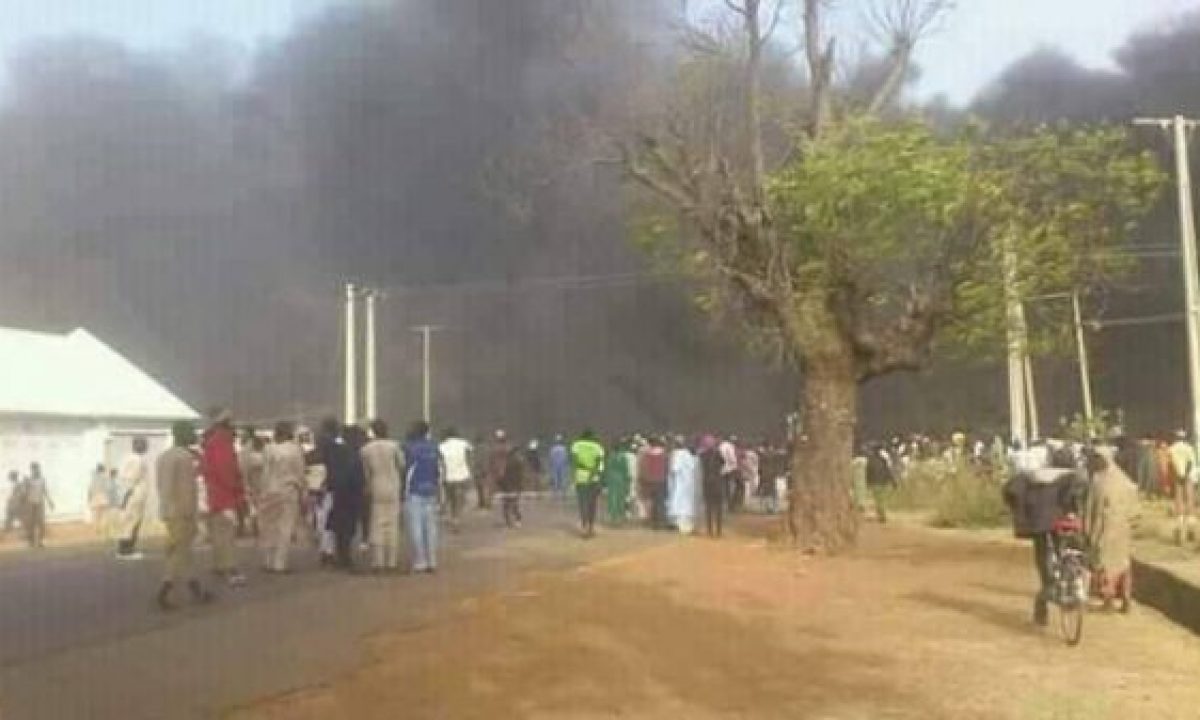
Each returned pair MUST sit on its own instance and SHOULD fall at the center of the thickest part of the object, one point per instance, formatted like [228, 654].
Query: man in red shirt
[225, 492]
[652, 479]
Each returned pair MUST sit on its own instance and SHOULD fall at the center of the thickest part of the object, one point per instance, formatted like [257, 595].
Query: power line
[1099, 324]
[629, 279]
[561, 282]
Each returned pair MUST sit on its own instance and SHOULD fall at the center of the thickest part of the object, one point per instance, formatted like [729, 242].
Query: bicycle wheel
[1070, 622]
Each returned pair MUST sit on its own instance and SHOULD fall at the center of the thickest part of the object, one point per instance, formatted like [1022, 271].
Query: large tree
[852, 247]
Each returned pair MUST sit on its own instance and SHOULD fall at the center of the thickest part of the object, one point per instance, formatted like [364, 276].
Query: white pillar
[1187, 238]
[1015, 326]
[426, 373]
[371, 410]
[351, 409]
[1035, 432]
[1085, 380]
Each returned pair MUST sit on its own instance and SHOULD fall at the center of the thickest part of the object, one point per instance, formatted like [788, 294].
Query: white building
[70, 402]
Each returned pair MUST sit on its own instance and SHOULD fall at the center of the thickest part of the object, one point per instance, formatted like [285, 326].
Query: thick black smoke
[201, 216]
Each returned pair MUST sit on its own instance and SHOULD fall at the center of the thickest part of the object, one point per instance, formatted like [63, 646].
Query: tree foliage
[867, 241]
[1065, 199]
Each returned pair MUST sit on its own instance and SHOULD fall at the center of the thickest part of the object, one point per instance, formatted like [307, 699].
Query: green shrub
[962, 496]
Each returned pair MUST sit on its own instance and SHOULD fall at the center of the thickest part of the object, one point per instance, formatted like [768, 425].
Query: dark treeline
[199, 209]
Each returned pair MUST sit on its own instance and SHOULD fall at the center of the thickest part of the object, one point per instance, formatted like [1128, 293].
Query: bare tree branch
[820, 66]
[743, 9]
[774, 23]
[674, 193]
[902, 24]
[900, 60]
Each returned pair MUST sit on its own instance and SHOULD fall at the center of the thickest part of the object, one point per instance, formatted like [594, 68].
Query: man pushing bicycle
[1045, 501]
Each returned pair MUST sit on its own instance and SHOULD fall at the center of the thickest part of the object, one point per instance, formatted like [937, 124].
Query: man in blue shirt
[422, 481]
[560, 465]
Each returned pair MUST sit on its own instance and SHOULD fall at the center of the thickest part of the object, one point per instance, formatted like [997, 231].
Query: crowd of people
[348, 491]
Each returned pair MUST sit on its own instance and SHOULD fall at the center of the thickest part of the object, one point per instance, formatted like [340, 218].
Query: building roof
[76, 375]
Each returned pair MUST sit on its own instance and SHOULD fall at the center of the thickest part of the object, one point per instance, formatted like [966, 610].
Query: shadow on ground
[999, 617]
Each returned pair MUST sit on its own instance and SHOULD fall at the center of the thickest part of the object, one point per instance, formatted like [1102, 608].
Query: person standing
[748, 469]
[533, 464]
[14, 509]
[422, 480]
[479, 471]
[652, 476]
[729, 471]
[250, 464]
[1112, 506]
[135, 491]
[225, 493]
[772, 465]
[282, 492]
[681, 482]
[1147, 474]
[344, 483]
[560, 465]
[616, 481]
[587, 461]
[715, 487]
[178, 498]
[1182, 469]
[630, 452]
[880, 478]
[511, 483]
[99, 501]
[1162, 465]
[356, 439]
[320, 499]
[383, 465]
[37, 498]
[497, 460]
[457, 457]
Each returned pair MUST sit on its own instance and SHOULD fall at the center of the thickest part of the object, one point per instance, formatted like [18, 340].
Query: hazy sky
[976, 43]
[149, 23]
[982, 37]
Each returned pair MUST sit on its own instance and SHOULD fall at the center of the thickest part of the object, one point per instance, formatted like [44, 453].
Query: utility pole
[351, 408]
[1035, 430]
[1015, 324]
[1179, 125]
[369, 297]
[1085, 380]
[427, 332]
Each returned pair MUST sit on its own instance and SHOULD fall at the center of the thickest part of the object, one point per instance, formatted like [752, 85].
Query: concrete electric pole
[426, 332]
[371, 408]
[1015, 324]
[1179, 127]
[351, 408]
[1085, 380]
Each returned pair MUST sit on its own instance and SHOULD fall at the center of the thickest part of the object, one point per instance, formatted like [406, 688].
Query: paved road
[79, 637]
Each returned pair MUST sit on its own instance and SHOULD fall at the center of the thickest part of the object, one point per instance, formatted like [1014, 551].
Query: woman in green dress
[617, 480]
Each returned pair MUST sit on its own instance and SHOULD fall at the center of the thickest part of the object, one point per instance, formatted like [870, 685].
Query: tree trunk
[821, 516]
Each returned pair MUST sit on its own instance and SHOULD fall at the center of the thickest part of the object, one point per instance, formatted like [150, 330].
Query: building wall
[68, 449]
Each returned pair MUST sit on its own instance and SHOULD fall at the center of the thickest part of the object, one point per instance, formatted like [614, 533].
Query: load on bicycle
[1078, 511]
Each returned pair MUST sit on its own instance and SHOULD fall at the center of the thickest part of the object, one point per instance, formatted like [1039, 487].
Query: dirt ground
[915, 624]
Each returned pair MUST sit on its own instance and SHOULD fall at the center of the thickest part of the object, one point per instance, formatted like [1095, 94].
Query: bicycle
[1069, 570]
